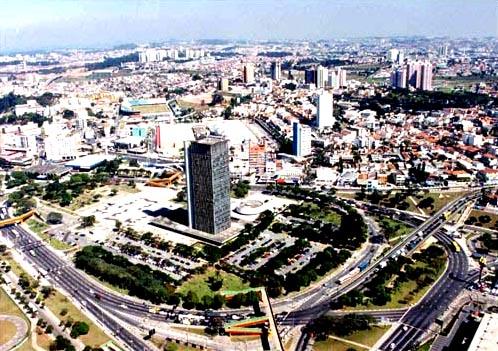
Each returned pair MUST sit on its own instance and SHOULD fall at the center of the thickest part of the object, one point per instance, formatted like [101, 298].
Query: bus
[456, 246]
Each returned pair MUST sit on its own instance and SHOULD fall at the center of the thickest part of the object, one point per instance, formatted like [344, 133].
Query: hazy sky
[89, 23]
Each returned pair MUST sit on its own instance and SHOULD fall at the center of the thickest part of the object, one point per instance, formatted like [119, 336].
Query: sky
[47, 24]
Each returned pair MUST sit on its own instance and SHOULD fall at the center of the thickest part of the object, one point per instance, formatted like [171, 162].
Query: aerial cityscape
[249, 175]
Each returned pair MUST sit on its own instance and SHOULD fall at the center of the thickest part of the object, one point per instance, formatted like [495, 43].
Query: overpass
[17, 220]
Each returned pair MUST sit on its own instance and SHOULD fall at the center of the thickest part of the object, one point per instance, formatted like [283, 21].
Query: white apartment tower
[325, 109]
[248, 73]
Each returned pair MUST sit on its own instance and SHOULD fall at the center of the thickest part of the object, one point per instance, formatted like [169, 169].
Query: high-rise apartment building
[415, 74]
[301, 139]
[398, 78]
[208, 184]
[223, 84]
[276, 70]
[248, 73]
[325, 109]
[321, 78]
[310, 76]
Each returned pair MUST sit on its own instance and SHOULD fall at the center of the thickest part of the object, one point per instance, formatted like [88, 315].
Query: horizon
[31, 26]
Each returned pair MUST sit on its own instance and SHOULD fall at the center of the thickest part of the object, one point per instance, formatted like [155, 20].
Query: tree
[79, 328]
[88, 221]
[218, 301]
[117, 225]
[54, 218]
[215, 282]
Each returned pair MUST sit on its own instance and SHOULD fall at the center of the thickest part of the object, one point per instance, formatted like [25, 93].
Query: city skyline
[38, 25]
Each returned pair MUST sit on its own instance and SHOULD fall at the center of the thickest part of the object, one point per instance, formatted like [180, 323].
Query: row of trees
[139, 279]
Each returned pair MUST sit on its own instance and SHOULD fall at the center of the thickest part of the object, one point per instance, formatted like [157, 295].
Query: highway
[418, 319]
[424, 312]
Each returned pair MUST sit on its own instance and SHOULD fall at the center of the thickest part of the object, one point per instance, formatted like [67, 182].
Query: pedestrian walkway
[21, 331]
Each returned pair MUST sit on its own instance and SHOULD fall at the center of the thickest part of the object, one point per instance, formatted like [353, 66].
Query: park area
[207, 284]
[65, 310]
[359, 340]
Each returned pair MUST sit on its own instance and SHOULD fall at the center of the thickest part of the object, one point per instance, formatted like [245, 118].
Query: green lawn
[199, 285]
[39, 228]
[57, 302]
[393, 229]
[325, 215]
[334, 345]
[365, 337]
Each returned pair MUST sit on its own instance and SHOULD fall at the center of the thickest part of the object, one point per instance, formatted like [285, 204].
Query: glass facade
[208, 184]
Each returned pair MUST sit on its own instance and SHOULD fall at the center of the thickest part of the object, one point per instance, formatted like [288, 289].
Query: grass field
[191, 329]
[169, 346]
[334, 345]
[57, 302]
[39, 228]
[404, 295]
[7, 306]
[364, 337]
[392, 228]
[15, 267]
[199, 285]
[323, 214]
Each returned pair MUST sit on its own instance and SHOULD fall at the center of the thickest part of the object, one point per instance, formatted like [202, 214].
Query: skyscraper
[276, 70]
[208, 184]
[301, 139]
[325, 109]
[248, 73]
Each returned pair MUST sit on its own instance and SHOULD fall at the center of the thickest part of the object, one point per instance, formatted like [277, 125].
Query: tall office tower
[223, 84]
[325, 109]
[322, 74]
[208, 184]
[425, 76]
[301, 140]
[248, 73]
[276, 70]
[310, 76]
[398, 78]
